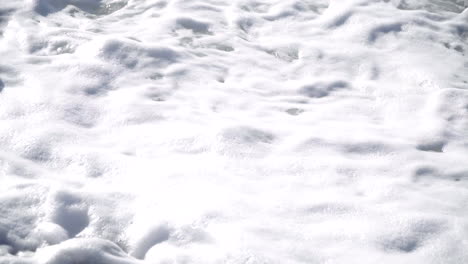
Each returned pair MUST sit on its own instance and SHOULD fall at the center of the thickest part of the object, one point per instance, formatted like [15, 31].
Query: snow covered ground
[233, 131]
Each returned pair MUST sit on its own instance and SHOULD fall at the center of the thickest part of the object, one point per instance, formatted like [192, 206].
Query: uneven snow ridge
[233, 131]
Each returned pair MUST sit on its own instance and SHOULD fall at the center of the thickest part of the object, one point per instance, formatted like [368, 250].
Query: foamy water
[248, 131]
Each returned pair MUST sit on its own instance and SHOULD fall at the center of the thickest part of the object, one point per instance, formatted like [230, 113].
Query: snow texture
[233, 131]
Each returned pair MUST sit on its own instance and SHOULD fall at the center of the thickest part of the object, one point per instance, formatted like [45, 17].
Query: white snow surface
[233, 131]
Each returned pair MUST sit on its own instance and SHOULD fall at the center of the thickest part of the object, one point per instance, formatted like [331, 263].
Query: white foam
[303, 131]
